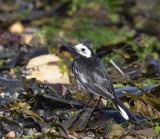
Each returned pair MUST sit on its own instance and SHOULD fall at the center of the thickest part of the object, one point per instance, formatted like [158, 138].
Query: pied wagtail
[91, 75]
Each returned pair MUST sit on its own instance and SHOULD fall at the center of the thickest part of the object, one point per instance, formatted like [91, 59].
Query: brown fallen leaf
[117, 130]
[148, 132]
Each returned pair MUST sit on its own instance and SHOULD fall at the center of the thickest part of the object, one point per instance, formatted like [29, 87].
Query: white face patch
[123, 113]
[83, 50]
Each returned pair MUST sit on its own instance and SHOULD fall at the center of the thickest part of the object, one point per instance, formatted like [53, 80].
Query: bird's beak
[71, 49]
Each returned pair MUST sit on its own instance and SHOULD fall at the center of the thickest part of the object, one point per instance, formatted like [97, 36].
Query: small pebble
[1, 49]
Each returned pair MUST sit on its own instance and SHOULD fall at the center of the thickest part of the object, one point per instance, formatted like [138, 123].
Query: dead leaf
[146, 132]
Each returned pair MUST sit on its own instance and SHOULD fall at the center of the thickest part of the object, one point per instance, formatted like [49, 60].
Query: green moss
[53, 90]
[110, 124]
[147, 82]
[17, 72]
[101, 35]
[118, 85]
[156, 130]
[76, 4]
[2, 62]
[50, 31]
[62, 66]
[80, 96]
[114, 17]
[147, 46]
[112, 5]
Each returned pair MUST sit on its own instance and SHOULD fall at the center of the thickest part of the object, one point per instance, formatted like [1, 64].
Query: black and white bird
[91, 75]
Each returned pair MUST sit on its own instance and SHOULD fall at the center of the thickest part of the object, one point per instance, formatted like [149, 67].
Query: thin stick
[119, 70]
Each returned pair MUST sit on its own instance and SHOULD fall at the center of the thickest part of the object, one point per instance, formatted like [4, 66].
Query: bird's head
[82, 50]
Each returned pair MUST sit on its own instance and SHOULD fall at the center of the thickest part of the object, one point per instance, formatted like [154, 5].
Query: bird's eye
[83, 49]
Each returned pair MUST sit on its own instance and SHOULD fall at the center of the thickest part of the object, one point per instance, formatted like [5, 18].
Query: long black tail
[126, 113]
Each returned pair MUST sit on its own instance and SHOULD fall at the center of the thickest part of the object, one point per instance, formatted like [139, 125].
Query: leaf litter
[118, 31]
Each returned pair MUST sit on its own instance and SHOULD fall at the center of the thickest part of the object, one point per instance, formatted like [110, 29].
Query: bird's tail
[126, 113]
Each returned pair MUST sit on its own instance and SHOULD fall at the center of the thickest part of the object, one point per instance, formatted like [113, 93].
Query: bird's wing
[94, 80]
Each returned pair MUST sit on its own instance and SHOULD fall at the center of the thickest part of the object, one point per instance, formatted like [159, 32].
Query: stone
[45, 68]
[16, 28]
[33, 40]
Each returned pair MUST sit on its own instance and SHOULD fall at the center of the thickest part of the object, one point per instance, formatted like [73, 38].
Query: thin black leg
[91, 97]
[98, 102]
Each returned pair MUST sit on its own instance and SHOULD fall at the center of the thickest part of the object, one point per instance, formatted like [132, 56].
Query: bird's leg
[91, 97]
[98, 102]
[107, 103]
